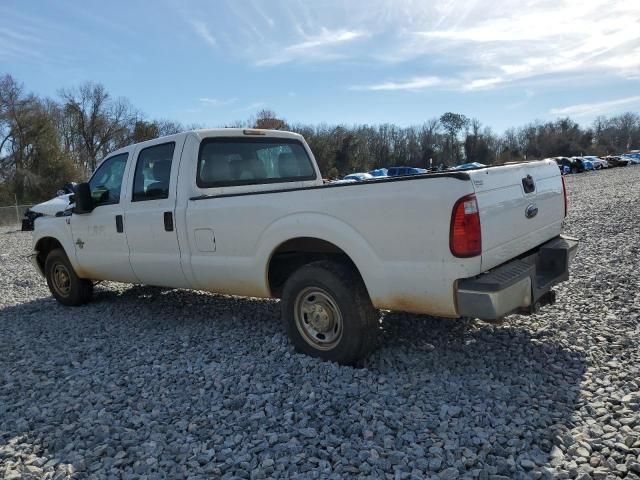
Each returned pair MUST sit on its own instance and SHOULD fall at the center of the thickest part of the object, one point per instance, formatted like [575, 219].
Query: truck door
[149, 216]
[100, 242]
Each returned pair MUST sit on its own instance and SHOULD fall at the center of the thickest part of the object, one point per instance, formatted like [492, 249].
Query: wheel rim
[61, 279]
[318, 318]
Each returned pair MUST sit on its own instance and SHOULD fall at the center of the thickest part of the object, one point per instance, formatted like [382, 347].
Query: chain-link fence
[12, 215]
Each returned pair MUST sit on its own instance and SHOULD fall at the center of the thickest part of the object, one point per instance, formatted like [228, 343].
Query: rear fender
[323, 227]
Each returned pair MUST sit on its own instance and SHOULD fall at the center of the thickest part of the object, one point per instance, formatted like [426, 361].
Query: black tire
[336, 286]
[64, 284]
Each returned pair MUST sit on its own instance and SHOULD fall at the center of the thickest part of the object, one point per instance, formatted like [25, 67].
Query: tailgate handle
[528, 184]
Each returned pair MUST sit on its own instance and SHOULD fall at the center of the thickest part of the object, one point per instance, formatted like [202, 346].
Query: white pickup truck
[246, 212]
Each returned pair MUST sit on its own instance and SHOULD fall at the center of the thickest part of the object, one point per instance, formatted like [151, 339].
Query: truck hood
[53, 206]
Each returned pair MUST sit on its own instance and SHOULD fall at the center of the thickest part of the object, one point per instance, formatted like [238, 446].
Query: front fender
[58, 228]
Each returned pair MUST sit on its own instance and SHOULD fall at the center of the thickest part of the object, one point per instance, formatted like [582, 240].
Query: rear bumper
[521, 285]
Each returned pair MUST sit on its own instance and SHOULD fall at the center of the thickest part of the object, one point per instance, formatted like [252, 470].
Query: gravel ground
[155, 383]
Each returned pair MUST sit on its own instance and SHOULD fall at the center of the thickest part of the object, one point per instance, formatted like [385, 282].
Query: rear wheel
[64, 284]
[328, 314]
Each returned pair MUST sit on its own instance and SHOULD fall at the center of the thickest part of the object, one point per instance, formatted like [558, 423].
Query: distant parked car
[586, 164]
[379, 172]
[358, 177]
[598, 163]
[617, 161]
[400, 171]
[468, 166]
[634, 158]
[570, 165]
[564, 164]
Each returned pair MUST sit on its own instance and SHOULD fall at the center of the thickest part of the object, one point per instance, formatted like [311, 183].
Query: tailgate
[521, 206]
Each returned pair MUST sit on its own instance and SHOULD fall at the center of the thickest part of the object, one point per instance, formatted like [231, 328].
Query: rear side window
[106, 182]
[233, 161]
[153, 173]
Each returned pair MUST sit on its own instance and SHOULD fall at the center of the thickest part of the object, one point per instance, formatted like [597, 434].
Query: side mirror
[84, 202]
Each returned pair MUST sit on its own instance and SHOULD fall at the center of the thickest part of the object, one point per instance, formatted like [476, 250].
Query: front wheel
[328, 314]
[65, 285]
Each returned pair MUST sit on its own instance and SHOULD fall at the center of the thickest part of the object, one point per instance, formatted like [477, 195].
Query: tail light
[564, 193]
[465, 236]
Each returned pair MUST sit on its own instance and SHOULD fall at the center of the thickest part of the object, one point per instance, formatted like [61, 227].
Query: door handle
[119, 224]
[168, 221]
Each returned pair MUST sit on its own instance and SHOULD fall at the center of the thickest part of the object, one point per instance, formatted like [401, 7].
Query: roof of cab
[243, 132]
[206, 133]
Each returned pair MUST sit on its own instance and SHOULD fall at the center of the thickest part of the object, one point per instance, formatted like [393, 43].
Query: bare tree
[31, 160]
[267, 119]
[169, 127]
[97, 123]
[627, 126]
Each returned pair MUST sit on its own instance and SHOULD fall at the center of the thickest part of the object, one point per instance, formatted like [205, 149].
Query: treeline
[453, 139]
[45, 142]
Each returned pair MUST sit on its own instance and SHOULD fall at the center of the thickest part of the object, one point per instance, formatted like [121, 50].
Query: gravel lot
[155, 383]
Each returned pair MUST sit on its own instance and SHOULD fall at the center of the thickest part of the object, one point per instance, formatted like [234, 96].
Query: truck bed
[396, 231]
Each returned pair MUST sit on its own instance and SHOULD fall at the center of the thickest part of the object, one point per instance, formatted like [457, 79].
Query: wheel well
[296, 252]
[43, 247]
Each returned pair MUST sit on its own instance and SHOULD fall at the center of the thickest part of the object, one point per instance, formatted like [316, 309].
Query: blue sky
[399, 61]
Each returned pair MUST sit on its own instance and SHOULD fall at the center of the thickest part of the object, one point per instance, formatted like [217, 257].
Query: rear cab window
[235, 161]
[153, 172]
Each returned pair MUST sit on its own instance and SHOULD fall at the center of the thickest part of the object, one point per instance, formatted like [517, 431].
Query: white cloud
[516, 41]
[325, 38]
[482, 83]
[415, 83]
[252, 106]
[201, 29]
[16, 43]
[315, 47]
[472, 45]
[597, 108]
[215, 102]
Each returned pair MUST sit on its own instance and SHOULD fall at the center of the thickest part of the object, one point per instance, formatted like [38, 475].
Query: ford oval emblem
[531, 210]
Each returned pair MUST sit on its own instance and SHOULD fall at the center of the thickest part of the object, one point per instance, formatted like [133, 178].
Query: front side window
[106, 182]
[249, 161]
[153, 172]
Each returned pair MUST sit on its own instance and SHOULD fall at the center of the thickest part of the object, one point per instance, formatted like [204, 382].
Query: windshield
[106, 182]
